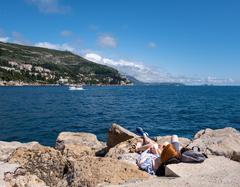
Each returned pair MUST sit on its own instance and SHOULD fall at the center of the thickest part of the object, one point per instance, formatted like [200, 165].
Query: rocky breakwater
[80, 159]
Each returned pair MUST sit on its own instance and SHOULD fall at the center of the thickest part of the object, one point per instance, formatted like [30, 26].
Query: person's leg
[174, 138]
[141, 132]
[175, 142]
[147, 140]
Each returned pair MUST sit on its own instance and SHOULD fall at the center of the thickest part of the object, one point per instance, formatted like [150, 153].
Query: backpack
[188, 155]
[192, 155]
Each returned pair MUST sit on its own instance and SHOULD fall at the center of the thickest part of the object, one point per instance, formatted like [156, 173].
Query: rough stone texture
[215, 165]
[127, 146]
[129, 158]
[40, 166]
[216, 171]
[221, 142]
[6, 167]
[118, 134]
[7, 148]
[75, 145]
[46, 163]
[161, 139]
[23, 180]
[91, 171]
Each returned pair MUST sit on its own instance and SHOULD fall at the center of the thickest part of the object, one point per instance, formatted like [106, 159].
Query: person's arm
[157, 163]
[144, 147]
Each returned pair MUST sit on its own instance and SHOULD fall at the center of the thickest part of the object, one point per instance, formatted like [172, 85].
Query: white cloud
[152, 45]
[154, 75]
[66, 33]
[50, 6]
[4, 39]
[62, 47]
[106, 40]
[137, 70]
[93, 57]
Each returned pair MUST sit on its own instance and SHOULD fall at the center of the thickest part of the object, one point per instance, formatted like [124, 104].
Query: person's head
[161, 146]
[168, 152]
[154, 148]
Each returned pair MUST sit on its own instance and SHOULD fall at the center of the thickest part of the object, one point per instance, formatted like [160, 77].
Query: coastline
[19, 84]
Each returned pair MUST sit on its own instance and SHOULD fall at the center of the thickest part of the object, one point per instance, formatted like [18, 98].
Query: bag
[192, 155]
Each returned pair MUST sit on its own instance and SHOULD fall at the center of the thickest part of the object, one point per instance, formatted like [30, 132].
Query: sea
[40, 113]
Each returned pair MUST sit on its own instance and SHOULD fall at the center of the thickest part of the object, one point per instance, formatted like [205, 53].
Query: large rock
[74, 145]
[19, 179]
[4, 168]
[216, 171]
[161, 139]
[215, 165]
[46, 163]
[218, 168]
[221, 142]
[7, 148]
[126, 147]
[92, 171]
[118, 134]
[130, 158]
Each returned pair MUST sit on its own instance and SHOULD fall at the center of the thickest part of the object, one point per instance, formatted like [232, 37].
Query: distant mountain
[137, 82]
[134, 80]
[167, 84]
[36, 65]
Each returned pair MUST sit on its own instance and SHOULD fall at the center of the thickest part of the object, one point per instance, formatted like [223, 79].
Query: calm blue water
[40, 113]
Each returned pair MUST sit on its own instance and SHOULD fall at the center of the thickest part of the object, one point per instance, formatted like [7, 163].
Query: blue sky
[191, 41]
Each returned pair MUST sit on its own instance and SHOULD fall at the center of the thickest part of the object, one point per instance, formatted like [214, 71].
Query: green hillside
[46, 66]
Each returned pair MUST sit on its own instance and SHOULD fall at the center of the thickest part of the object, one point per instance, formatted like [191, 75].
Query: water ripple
[40, 113]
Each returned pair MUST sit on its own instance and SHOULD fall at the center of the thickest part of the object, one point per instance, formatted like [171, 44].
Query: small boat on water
[78, 87]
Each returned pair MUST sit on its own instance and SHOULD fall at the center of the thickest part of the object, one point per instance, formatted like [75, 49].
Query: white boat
[79, 87]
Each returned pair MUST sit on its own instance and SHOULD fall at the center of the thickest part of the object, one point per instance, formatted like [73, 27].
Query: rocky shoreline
[20, 83]
[80, 159]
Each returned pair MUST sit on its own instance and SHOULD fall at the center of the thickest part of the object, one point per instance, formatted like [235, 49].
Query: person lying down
[153, 155]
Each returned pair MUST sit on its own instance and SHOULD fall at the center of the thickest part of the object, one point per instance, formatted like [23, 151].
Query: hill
[36, 65]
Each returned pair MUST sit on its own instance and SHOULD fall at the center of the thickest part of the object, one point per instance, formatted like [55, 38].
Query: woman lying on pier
[153, 155]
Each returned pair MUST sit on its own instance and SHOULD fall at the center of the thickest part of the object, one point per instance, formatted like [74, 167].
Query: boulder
[221, 142]
[46, 163]
[122, 148]
[118, 134]
[4, 168]
[92, 171]
[23, 180]
[161, 139]
[7, 148]
[214, 172]
[217, 168]
[129, 157]
[80, 144]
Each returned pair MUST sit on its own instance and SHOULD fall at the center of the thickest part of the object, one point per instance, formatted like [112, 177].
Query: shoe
[141, 132]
